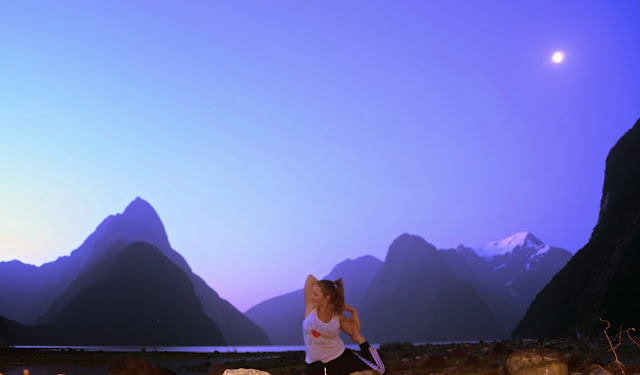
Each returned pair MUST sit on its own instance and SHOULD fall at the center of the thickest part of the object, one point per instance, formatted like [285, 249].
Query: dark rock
[217, 369]
[451, 370]
[432, 361]
[572, 361]
[459, 351]
[127, 365]
[598, 370]
[617, 368]
[500, 349]
[633, 368]
[593, 360]
[472, 360]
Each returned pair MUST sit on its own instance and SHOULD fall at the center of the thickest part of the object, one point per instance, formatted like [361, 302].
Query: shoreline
[452, 358]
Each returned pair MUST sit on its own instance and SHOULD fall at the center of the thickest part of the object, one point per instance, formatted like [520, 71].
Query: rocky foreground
[522, 357]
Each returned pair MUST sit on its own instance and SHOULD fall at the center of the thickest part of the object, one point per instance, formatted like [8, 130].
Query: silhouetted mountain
[601, 280]
[31, 289]
[508, 273]
[416, 297]
[137, 297]
[14, 333]
[40, 286]
[43, 287]
[281, 317]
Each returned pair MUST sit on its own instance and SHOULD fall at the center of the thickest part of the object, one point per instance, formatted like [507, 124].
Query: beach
[445, 358]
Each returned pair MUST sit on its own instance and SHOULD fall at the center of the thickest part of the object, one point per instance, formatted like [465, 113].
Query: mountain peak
[507, 245]
[139, 205]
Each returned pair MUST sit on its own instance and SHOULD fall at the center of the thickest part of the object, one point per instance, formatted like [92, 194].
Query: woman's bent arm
[355, 319]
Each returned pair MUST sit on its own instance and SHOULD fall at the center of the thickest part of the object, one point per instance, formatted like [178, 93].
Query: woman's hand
[349, 308]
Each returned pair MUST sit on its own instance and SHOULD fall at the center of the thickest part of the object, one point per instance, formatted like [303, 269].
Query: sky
[278, 138]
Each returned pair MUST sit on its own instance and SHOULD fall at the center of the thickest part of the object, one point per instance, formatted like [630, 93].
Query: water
[190, 349]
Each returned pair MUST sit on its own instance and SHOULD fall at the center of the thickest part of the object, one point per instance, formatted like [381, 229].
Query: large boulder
[537, 362]
[245, 371]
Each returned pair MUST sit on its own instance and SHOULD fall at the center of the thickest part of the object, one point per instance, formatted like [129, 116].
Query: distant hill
[42, 292]
[416, 297]
[281, 317]
[508, 273]
[601, 280]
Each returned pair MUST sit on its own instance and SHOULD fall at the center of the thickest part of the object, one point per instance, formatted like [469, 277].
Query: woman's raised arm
[308, 285]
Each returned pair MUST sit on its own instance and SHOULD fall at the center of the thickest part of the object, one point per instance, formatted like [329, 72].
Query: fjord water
[186, 349]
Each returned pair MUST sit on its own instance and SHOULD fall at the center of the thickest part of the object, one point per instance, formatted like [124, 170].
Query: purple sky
[278, 138]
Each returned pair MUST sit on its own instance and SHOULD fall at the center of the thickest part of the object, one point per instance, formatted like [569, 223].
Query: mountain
[281, 317]
[47, 291]
[508, 273]
[39, 286]
[137, 297]
[32, 289]
[13, 333]
[601, 280]
[416, 297]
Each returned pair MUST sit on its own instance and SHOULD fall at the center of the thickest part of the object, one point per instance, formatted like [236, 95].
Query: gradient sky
[278, 138]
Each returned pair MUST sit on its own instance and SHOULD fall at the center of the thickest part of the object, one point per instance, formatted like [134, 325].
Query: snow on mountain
[507, 245]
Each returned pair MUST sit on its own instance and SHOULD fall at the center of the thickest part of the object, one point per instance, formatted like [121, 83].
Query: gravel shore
[483, 358]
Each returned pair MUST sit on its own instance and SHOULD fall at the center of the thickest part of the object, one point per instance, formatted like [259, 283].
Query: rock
[460, 352]
[494, 371]
[217, 369]
[450, 370]
[598, 370]
[127, 365]
[472, 360]
[572, 361]
[537, 362]
[244, 371]
[593, 361]
[500, 349]
[432, 361]
[366, 372]
[617, 368]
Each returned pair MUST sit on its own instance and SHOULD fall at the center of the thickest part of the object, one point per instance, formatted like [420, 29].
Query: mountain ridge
[600, 281]
[44, 288]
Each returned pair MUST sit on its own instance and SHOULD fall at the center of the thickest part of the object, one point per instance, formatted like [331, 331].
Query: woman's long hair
[335, 289]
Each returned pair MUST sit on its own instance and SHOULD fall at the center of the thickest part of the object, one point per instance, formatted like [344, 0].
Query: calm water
[192, 349]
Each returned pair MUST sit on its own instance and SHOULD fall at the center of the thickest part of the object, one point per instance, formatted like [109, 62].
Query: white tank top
[322, 340]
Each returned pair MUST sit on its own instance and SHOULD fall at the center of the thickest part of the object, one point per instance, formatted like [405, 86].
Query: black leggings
[366, 359]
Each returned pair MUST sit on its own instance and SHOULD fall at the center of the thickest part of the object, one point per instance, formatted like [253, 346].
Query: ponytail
[335, 289]
[337, 299]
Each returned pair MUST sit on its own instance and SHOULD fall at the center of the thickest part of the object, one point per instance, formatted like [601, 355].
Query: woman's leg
[315, 368]
[368, 354]
[350, 361]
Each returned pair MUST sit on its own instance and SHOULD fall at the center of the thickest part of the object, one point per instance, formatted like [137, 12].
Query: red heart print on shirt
[315, 333]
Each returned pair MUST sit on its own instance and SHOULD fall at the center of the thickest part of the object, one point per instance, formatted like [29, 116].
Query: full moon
[557, 57]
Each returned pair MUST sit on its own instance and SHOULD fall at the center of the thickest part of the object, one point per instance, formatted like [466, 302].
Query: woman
[323, 320]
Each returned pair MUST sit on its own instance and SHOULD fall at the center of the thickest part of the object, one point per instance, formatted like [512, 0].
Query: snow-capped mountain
[509, 244]
[508, 273]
